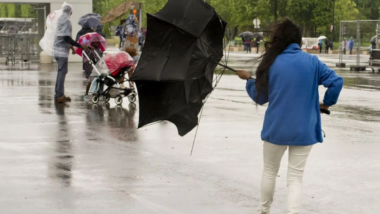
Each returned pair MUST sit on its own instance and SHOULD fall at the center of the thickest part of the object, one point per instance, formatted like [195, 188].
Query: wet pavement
[82, 158]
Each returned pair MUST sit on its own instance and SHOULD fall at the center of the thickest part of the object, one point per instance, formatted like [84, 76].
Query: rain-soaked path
[79, 158]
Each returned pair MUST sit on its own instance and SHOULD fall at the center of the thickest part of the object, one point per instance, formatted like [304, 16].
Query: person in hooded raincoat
[62, 45]
[351, 45]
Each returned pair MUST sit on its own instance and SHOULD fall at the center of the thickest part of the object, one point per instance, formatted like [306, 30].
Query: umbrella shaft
[225, 66]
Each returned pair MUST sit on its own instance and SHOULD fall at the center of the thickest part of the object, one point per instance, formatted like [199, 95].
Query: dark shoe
[67, 99]
[61, 99]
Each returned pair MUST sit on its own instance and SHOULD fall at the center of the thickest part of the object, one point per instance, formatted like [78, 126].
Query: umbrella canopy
[246, 33]
[89, 38]
[117, 12]
[373, 39]
[321, 37]
[175, 72]
[90, 20]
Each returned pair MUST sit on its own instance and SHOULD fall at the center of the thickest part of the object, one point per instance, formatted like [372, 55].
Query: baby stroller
[119, 64]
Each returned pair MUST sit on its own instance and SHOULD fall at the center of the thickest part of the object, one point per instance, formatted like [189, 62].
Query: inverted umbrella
[174, 75]
[89, 38]
[117, 12]
[90, 20]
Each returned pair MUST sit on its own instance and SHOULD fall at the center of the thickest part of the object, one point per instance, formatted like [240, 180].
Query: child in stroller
[119, 64]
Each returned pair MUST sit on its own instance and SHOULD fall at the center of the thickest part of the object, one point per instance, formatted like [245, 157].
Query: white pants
[272, 159]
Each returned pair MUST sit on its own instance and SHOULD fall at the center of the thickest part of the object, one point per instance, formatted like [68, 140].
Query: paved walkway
[81, 158]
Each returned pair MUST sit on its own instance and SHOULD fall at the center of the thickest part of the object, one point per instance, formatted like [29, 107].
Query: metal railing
[23, 47]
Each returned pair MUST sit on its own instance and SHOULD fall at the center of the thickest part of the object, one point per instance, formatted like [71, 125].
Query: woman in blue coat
[351, 45]
[288, 79]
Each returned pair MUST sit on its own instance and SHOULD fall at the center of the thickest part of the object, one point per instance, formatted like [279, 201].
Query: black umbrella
[90, 20]
[174, 76]
[247, 35]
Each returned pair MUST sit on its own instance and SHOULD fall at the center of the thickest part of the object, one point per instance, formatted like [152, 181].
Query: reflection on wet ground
[85, 158]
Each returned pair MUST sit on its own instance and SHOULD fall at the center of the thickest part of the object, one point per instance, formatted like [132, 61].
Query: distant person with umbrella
[247, 44]
[351, 45]
[243, 42]
[288, 78]
[257, 43]
[320, 45]
[89, 23]
[99, 30]
[327, 43]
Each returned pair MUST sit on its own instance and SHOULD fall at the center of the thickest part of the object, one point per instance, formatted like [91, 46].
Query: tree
[368, 9]
[3, 10]
[11, 8]
[25, 11]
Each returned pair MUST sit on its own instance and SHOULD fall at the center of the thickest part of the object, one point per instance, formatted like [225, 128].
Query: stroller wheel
[95, 99]
[132, 98]
[118, 100]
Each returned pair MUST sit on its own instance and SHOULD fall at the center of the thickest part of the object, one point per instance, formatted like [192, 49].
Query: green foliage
[25, 11]
[11, 8]
[17, 11]
[313, 16]
[3, 10]
[368, 9]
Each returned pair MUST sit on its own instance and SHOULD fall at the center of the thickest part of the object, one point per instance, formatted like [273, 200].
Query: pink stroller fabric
[117, 61]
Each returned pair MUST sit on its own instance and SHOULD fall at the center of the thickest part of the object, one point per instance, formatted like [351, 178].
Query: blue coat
[351, 44]
[293, 114]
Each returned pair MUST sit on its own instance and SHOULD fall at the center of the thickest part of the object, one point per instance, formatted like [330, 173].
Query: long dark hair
[285, 33]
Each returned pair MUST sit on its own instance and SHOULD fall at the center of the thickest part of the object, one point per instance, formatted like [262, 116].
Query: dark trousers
[344, 50]
[248, 47]
[327, 49]
[257, 46]
[61, 75]
[320, 48]
[350, 51]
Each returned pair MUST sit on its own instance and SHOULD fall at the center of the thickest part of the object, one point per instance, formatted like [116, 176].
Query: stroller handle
[92, 64]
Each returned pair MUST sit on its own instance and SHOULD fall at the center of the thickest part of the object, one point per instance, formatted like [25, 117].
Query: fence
[361, 32]
[18, 47]
[18, 39]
